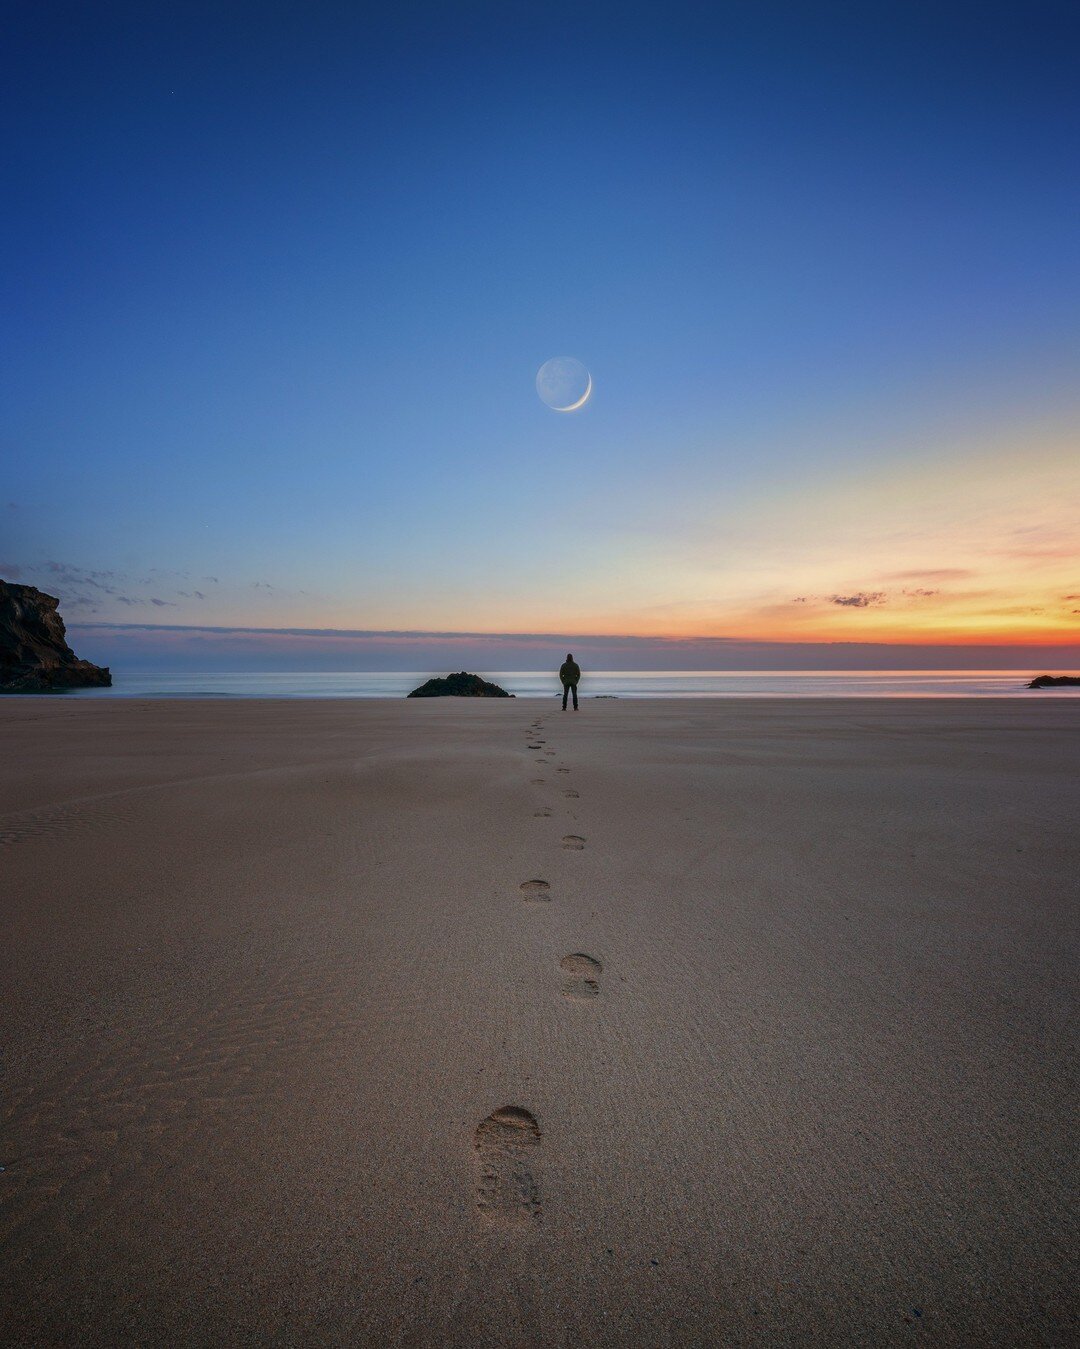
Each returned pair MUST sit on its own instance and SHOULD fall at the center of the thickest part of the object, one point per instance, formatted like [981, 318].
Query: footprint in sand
[583, 975]
[574, 842]
[562, 770]
[534, 746]
[538, 782]
[507, 1141]
[535, 889]
[570, 793]
[543, 813]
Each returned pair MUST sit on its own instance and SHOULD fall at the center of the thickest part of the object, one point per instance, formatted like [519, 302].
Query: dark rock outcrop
[34, 654]
[1054, 681]
[459, 686]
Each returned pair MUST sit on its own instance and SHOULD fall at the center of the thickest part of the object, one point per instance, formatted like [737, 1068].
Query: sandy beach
[474, 1022]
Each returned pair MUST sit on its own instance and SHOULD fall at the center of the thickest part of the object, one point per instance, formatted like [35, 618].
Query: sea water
[595, 684]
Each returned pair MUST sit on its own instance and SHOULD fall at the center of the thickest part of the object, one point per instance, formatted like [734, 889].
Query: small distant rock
[1054, 681]
[460, 685]
[34, 654]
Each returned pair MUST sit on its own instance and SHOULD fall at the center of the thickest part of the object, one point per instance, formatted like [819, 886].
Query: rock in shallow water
[460, 685]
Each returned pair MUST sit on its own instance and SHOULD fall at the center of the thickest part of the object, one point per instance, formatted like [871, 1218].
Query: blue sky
[279, 278]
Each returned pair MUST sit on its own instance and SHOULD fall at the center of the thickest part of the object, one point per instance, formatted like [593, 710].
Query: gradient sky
[278, 278]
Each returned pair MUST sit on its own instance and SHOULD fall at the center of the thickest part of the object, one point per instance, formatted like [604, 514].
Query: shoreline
[620, 685]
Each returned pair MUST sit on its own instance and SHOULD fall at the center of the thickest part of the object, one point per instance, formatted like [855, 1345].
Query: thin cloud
[78, 576]
[930, 574]
[862, 600]
[145, 599]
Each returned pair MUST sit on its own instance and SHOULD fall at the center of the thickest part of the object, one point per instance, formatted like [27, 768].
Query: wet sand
[682, 1023]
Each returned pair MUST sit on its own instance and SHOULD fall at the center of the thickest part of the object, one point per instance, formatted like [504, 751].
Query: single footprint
[570, 793]
[559, 770]
[543, 761]
[533, 746]
[543, 812]
[506, 1141]
[574, 842]
[538, 782]
[583, 974]
[535, 889]
[549, 751]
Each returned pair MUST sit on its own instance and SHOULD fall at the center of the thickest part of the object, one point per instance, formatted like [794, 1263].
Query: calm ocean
[599, 683]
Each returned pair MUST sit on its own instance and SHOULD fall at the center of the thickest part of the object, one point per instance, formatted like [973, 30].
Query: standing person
[569, 673]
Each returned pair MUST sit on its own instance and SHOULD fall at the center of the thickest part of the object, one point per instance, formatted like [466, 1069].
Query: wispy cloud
[89, 590]
[930, 574]
[863, 600]
[79, 576]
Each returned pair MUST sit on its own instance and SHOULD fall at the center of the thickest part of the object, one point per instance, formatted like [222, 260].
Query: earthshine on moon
[564, 384]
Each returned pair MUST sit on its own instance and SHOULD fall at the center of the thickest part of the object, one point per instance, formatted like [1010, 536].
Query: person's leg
[574, 687]
[565, 691]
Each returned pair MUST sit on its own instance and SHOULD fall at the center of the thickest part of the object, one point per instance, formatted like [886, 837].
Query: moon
[564, 384]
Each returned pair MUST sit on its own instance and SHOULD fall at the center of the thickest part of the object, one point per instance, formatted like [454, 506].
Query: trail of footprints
[507, 1141]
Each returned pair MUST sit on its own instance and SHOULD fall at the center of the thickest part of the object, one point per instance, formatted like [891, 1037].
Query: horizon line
[557, 637]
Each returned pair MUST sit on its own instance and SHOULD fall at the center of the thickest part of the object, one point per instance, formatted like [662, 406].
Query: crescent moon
[581, 401]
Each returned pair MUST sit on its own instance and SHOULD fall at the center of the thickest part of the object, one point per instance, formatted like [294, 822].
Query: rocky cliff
[34, 654]
[1054, 681]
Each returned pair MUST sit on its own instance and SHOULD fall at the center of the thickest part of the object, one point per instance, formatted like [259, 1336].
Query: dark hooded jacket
[570, 672]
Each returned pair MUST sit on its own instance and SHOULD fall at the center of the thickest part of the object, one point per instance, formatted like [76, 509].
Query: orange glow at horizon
[963, 546]
[964, 550]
